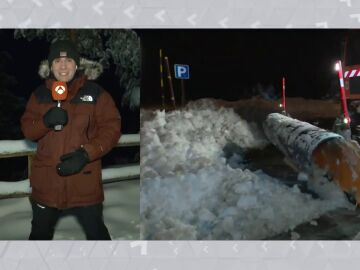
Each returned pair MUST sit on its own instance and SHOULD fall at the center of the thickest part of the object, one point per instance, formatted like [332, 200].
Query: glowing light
[346, 121]
[337, 66]
[280, 105]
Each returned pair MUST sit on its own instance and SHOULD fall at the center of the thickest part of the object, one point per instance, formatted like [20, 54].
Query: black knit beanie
[63, 48]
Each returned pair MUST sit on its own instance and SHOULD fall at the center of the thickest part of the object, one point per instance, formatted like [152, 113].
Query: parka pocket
[88, 181]
[41, 179]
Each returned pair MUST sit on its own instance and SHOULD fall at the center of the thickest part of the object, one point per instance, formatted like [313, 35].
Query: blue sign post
[182, 71]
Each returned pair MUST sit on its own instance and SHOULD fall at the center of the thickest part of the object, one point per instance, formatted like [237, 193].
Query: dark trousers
[45, 219]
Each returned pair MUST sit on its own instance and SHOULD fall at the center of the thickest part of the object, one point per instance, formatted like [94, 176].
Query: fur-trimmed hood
[91, 69]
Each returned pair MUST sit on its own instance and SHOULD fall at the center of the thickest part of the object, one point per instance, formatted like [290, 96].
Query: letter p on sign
[182, 71]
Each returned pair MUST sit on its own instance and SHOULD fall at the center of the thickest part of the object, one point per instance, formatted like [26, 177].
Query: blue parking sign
[182, 71]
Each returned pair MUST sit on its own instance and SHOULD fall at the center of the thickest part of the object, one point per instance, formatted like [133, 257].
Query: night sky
[227, 63]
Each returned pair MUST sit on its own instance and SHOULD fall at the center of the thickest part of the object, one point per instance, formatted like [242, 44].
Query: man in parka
[66, 170]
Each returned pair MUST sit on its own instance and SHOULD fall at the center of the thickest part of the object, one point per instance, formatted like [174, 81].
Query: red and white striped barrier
[352, 73]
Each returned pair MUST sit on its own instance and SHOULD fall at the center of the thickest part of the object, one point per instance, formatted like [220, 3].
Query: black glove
[73, 162]
[55, 116]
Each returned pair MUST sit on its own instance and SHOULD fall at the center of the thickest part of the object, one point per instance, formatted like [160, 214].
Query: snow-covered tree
[119, 46]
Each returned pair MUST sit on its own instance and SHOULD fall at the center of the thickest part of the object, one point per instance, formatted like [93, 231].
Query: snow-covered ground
[193, 189]
[121, 214]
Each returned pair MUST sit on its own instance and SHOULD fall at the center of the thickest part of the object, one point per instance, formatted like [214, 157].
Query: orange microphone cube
[59, 91]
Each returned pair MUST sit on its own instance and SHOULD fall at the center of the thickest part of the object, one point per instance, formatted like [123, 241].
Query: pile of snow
[185, 141]
[190, 191]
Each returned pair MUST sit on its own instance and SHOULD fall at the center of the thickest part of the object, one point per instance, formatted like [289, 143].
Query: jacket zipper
[63, 192]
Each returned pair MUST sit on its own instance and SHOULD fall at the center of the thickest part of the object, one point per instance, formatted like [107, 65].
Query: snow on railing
[19, 148]
[109, 175]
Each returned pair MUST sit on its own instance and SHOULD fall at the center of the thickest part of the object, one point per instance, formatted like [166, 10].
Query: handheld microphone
[59, 92]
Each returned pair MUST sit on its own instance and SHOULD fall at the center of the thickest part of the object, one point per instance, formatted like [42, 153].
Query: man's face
[63, 68]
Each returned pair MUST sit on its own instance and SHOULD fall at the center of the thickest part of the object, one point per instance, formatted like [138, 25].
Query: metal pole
[162, 82]
[283, 95]
[30, 158]
[171, 88]
[342, 93]
[182, 93]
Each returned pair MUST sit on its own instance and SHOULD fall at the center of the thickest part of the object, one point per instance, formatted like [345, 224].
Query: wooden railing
[21, 148]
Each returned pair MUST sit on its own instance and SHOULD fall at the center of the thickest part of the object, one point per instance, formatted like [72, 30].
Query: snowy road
[121, 214]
